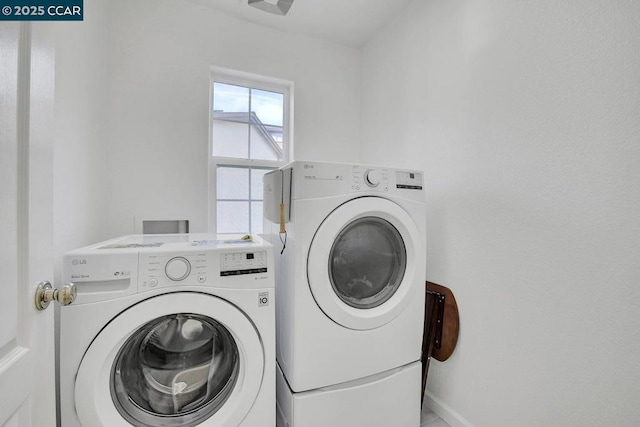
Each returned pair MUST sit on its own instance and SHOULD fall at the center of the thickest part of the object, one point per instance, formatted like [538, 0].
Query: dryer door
[181, 359]
[362, 265]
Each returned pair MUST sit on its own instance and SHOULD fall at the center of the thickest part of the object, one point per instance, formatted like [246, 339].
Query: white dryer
[171, 330]
[350, 286]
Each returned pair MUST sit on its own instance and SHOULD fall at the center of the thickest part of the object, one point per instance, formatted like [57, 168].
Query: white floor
[431, 419]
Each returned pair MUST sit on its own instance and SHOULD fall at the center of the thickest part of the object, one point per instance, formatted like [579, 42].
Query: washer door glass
[367, 262]
[176, 370]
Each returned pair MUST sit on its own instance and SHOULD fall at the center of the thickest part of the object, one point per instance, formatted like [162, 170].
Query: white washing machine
[169, 330]
[350, 283]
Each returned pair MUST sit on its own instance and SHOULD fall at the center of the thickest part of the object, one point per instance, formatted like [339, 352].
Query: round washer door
[362, 262]
[179, 359]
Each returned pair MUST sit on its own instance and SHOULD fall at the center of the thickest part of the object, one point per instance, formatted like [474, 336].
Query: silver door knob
[45, 293]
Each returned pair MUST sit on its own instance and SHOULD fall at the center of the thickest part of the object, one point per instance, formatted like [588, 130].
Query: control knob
[372, 177]
[177, 268]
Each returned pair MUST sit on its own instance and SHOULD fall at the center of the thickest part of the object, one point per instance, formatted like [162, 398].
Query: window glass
[233, 183]
[230, 139]
[367, 262]
[268, 106]
[177, 370]
[247, 123]
[233, 217]
[263, 145]
[230, 98]
[256, 217]
[256, 183]
[239, 201]
[249, 129]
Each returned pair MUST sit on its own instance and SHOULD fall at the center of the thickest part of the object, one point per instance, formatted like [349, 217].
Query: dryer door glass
[367, 262]
[176, 370]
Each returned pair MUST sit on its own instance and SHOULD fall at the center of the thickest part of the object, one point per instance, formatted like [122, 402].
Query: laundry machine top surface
[172, 242]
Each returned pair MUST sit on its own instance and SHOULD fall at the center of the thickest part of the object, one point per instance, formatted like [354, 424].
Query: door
[179, 359]
[27, 389]
[362, 266]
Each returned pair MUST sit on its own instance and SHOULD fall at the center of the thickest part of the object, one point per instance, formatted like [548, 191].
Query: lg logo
[78, 261]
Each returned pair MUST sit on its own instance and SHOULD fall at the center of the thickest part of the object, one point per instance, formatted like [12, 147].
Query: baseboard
[445, 411]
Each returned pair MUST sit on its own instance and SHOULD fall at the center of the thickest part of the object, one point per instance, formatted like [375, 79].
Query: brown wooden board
[450, 327]
[451, 323]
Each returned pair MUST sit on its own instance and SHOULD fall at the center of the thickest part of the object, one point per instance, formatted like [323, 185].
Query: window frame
[253, 81]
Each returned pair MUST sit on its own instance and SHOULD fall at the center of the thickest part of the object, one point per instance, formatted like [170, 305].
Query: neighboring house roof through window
[267, 131]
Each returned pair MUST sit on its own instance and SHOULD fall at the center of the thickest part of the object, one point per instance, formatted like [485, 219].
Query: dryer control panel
[311, 180]
[364, 178]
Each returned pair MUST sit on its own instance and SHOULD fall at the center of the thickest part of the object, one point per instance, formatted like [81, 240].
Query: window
[250, 134]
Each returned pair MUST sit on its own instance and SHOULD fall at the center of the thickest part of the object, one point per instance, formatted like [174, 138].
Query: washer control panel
[200, 268]
[237, 263]
[170, 269]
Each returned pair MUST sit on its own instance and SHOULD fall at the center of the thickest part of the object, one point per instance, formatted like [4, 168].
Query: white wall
[79, 133]
[159, 58]
[525, 117]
